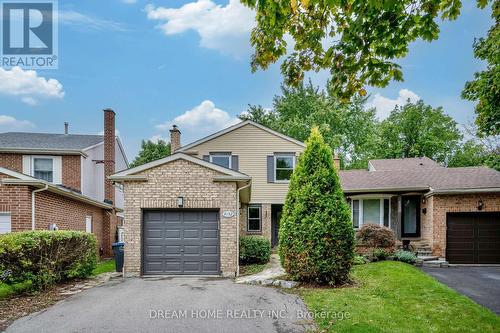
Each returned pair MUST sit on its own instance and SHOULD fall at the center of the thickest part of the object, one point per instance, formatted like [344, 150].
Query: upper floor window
[43, 168]
[283, 167]
[223, 160]
[370, 211]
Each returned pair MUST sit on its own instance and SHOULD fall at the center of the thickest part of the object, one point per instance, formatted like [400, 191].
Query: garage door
[473, 238]
[181, 242]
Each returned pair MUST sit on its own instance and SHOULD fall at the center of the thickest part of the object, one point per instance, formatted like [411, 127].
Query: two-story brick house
[184, 213]
[59, 181]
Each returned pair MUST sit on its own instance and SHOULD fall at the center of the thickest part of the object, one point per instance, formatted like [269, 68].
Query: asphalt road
[171, 305]
[482, 284]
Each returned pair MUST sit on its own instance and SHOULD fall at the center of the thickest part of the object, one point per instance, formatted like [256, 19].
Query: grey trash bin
[118, 251]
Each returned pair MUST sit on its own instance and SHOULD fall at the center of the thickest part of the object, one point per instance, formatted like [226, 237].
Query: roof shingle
[438, 178]
[22, 140]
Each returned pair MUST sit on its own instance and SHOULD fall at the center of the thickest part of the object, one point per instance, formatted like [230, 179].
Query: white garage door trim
[5, 222]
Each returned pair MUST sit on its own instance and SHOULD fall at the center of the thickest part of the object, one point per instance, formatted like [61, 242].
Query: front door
[410, 216]
[275, 224]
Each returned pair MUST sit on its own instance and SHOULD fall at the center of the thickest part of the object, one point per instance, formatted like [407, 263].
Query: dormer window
[223, 160]
[43, 168]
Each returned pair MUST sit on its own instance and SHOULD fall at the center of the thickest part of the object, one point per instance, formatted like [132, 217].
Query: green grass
[8, 290]
[104, 266]
[5, 290]
[252, 269]
[396, 297]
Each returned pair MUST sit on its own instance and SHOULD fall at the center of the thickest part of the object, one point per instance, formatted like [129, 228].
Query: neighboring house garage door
[181, 242]
[473, 238]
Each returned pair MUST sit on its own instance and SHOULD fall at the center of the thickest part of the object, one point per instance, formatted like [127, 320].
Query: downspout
[238, 227]
[33, 205]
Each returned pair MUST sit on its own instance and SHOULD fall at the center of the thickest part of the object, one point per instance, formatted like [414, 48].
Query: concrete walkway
[171, 305]
[273, 271]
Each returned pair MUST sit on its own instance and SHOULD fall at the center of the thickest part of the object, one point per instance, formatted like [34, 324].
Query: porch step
[439, 263]
[427, 258]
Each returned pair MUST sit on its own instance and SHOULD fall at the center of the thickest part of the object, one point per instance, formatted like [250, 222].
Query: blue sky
[158, 62]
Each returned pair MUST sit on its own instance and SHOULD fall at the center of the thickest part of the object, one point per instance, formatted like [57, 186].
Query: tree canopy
[416, 129]
[151, 151]
[357, 41]
[485, 88]
[350, 129]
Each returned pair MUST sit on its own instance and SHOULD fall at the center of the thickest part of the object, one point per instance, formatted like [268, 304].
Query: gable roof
[235, 127]
[402, 164]
[24, 140]
[22, 179]
[129, 174]
[437, 179]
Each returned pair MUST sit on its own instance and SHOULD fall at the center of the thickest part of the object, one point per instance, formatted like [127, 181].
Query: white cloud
[202, 120]
[385, 105]
[86, 22]
[224, 28]
[28, 86]
[9, 123]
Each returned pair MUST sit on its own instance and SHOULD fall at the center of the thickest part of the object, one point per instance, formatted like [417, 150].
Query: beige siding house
[260, 153]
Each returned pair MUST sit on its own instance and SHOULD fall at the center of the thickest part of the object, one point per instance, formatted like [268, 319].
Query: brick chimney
[336, 161]
[175, 139]
[109, 153]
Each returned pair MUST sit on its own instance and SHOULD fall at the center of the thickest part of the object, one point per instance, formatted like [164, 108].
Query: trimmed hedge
[254, 250]
[46, 257]
[316, 234]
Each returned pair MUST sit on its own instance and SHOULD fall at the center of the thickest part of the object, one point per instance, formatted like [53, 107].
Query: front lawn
[396, 297]
[104, 266]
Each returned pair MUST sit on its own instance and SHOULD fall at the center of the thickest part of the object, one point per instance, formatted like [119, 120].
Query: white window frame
[222, 155]
[276, 167]
[248, 218]
[29, 166]
[88, 226]
[34, 158]
[9, 215]
[381, 199]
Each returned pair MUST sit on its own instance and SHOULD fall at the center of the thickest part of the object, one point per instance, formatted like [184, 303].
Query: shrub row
[254, 250]
[46, 257]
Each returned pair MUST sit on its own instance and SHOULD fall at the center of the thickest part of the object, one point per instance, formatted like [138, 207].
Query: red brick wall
[12, 161]
[442, 204]
[109, 153]
[50, 208]
[71, 171]
[16, 199]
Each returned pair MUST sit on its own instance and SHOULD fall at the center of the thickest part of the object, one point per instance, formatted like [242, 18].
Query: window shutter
[206, 157]
[235, 163]
[270, 169]
[57, 170]
[26, 165]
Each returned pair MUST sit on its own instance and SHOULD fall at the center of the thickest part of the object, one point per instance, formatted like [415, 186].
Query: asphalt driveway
[482, 284]
[171, 305]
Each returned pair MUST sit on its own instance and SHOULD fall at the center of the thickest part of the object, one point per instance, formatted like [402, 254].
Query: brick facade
[109, 153]
[66, 213]
[166, 183]
[72, 172]
[16, 199]
[442, 204]
[266, 226]
[11, 161]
